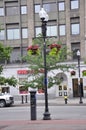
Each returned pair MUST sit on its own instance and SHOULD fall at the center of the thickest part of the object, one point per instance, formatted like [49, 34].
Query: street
[62, 118]
[57, 113]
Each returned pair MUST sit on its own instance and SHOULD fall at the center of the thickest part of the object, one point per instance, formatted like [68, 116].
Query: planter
[84, 72]
[54, 45]
[73, 73]
[54, 49]
[40, 91]
[33, 49]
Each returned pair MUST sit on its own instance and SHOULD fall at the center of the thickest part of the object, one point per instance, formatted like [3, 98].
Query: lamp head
[78, 53]
[43, 15]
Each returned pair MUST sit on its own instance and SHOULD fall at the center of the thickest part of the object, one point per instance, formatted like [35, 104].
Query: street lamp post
[79, 82]
[44, 18]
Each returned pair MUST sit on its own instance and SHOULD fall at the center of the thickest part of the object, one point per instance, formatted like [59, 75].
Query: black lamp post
[79, 82]
[44, 18]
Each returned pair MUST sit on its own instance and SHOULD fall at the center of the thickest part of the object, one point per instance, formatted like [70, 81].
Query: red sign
[22, 72]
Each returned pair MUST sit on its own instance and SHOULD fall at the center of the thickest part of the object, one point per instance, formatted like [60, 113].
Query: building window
[2, 34]
[74, 4]
[62, 30]
[13, 34]
[1, 11]
[75, 28]
[37, 31]
[24, 33]
[12, 10]
[37, 8]
[15, 55]
[61, 6]
[51, 30]
[74, 48]
[50, 7]
[23, 9]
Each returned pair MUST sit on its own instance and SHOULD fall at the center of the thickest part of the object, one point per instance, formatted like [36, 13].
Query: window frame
[2, 34]
[59, 9]
[74, 7]
[1, 11]
[37, 8]
[50, 32]
[73, 28]
[13, 32]
[24, 34]
[60, 30]
[12, 9]
[23, 9]
[48, 7]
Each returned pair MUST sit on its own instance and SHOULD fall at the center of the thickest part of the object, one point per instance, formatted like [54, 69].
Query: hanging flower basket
[54, 49]
[33, 49]
[54, 45]
[73, 73]
[40, 91]
[84, 72]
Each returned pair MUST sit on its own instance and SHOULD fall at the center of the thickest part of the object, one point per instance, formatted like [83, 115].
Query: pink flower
[33, 47]
[58, 46]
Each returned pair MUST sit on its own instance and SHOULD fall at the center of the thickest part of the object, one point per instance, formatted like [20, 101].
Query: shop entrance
[76, 88]
[62, 87]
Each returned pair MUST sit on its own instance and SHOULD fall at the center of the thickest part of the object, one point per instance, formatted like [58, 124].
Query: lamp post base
[80, 102]
[46, 116]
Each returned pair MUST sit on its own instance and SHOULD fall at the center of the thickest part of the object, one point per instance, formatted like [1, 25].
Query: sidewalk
[58, 124]
[53, 102]
[44, 125]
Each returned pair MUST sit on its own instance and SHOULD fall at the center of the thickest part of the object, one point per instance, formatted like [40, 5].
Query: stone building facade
[20, 23]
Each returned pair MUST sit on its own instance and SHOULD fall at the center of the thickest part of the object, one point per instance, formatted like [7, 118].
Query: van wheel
[2, 103]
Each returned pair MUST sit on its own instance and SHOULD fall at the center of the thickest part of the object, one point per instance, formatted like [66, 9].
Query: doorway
[76, 87]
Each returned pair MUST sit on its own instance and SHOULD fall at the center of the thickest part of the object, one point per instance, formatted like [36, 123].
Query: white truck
[6, 100]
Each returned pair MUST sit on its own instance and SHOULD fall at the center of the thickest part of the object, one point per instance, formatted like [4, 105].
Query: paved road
[62, 118]
[57, 113]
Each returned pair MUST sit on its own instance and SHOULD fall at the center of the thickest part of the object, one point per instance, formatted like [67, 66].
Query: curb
[50, 104]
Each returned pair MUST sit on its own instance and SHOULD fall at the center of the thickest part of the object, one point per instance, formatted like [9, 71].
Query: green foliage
[2, 80]
[1, 68]
[5, 55]
[4, 52]
[53, 52]
[11, 81]
[33, 52]
[54, 60]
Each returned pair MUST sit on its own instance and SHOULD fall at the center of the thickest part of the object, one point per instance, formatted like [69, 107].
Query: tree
[4, 56]
[11, 81]
[55, 55]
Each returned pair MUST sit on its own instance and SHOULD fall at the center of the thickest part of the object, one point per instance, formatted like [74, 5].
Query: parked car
[6, 99]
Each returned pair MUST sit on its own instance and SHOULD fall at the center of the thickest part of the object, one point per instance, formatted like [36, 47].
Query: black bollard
[22, 99]
[33, 104]
[25, 98]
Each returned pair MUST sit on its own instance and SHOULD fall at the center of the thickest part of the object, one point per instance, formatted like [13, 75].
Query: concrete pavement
[55, 101]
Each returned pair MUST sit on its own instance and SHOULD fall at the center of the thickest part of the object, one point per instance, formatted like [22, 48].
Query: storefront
[68, 86]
